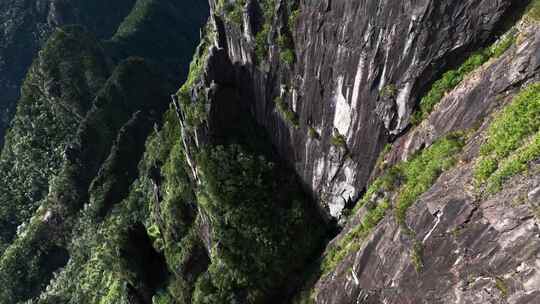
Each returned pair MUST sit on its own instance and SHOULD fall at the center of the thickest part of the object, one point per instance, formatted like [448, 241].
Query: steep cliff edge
[347, 75]
[333, 82]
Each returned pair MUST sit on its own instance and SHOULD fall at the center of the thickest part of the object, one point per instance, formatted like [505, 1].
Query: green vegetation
[419, 173]
[262, 37]
[312, 133]
[286, 112]
[339, 141]
[515, 164]
[293, 19]
[151, 31]
[513, 140]
[452, 78]
[416, 256]
[56, 94]
[351, 242]
[409, 180]
[265, 234]
[286, 49]
[533, 12]
[232, 11]
[287, 56]
[71, 142]
[501, 286]
[388, 91]
[27, 265]
[261, 43]
[284, 39]
[195, 110]
[41, 246]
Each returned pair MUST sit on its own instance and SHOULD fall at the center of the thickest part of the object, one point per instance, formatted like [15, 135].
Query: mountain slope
[25, 27]
[78, 135]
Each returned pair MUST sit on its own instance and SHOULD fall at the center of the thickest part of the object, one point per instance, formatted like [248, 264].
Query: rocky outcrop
[357, 77]
[472, 248]
[353, 85]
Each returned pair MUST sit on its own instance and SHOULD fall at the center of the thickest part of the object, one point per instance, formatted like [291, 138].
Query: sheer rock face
[347, 54]
[476, 248]
[26, 25]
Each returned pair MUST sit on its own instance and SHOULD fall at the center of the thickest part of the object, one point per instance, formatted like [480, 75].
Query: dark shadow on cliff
[148, 265]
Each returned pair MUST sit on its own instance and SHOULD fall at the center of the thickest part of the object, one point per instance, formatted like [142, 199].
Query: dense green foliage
[74, 147]
[96, 272]
[286, 46]
[233, 11]
[452, 78]
[512, 140]
[265, 234]
[56, 94]
[133, 86]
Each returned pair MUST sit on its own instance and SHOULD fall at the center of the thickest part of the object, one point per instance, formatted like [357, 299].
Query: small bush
[261, 43]
[339, 141]
[286, 112]
[233, 11]
[312, 133]
[388, 91]
[287, 56]
[417, 256]
[293, 19]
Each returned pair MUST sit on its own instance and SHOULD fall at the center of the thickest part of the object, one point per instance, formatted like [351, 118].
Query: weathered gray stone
[348, 52]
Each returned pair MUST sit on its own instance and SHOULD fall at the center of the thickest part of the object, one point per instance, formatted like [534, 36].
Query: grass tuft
[452, 78]
[505, 153]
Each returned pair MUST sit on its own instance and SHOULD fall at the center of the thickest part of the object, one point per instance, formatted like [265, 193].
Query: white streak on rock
[356, 281]
[318, 172]
[357, 81]
[342, 116]
[401, 101]
[437, 221]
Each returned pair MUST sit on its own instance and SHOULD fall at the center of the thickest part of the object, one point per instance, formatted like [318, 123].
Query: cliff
[441, 214]
[316, 152]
